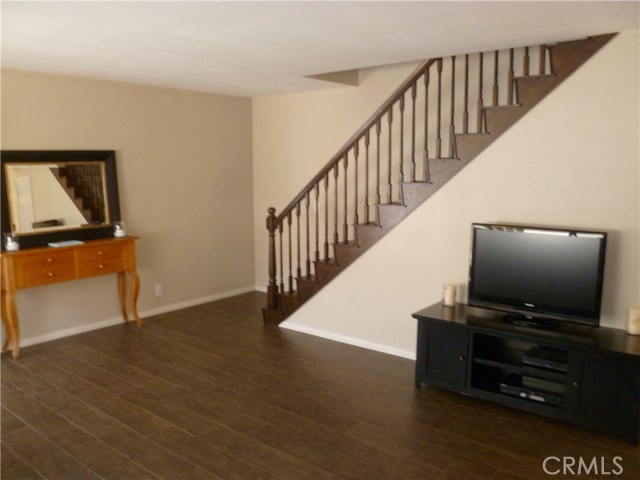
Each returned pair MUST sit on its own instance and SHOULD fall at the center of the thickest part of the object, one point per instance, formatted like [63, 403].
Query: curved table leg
[122, 294]
[135, 291]
[10, 321]
[5, 322]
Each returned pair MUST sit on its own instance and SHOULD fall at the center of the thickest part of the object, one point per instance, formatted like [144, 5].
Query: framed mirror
[50, 196]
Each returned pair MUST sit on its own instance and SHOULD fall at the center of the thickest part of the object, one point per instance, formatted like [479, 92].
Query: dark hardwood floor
[211, 392]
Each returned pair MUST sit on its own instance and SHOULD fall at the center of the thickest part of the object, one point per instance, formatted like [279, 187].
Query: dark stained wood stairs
[528, 90]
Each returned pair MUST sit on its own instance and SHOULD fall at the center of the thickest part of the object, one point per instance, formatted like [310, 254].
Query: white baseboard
[67, 332]
[212, 298]
[343, 338]
[143, 314]
[196, 301]
[350, 340]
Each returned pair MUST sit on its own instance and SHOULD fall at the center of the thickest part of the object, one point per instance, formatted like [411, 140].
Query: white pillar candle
[448, 294]
[11, 242]
[633, 321]
[118, 229]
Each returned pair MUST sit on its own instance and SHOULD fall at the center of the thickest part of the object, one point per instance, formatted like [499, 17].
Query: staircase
[445, 114]
[83, 184]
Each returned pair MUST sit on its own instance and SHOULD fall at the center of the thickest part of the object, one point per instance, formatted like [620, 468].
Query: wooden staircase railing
[443, 115]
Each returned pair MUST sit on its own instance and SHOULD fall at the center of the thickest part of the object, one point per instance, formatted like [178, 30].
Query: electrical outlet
[158, 289]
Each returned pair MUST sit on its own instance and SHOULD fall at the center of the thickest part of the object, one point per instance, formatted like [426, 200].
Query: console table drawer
[99, 252]
[100, 266]
[41, 269]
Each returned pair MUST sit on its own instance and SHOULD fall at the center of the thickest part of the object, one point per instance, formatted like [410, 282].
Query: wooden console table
[42, 266]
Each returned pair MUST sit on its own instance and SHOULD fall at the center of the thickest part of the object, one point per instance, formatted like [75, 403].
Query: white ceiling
[266, 48]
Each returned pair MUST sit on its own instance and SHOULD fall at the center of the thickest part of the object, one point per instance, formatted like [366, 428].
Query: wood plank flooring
[210, 392]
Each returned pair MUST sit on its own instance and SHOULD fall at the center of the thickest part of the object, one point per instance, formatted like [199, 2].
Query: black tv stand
[583, 375]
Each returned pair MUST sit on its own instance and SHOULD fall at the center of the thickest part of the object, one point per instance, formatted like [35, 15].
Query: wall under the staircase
[574, 160]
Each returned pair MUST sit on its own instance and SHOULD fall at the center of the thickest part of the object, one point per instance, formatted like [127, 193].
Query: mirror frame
[58, 156]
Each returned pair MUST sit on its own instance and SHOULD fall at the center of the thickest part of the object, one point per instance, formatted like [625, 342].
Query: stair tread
[569, 42]
[311, 279]
[544, 75]
[291, 294]
[308, 278]
[471, 134]
[489, 107]
[329, 262]
[346, 244]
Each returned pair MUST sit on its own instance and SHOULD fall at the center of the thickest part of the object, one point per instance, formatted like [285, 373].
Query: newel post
[272, 288]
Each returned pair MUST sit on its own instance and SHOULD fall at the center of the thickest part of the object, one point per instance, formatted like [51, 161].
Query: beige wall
[185, 175]
[573, 161]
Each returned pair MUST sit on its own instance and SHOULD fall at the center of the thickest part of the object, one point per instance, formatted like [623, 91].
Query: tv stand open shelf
[583, 375]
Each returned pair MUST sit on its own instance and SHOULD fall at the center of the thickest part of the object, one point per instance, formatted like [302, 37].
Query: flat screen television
[538, 276]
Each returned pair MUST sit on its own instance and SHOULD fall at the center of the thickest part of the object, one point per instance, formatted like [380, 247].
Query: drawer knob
[51, 274]
[101, 266]
[100, 252]
[49, 260]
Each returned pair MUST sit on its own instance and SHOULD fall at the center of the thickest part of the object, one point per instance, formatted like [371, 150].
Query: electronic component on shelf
[530, 394]
[544, 385]
[550, 358]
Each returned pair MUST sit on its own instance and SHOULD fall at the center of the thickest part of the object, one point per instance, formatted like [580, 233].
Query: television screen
[538, 273]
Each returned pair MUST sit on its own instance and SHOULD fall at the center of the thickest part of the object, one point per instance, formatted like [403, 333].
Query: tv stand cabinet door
[607, 395]
[442, 356]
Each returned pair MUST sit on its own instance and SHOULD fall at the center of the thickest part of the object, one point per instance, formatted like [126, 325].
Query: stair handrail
[355, 138]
